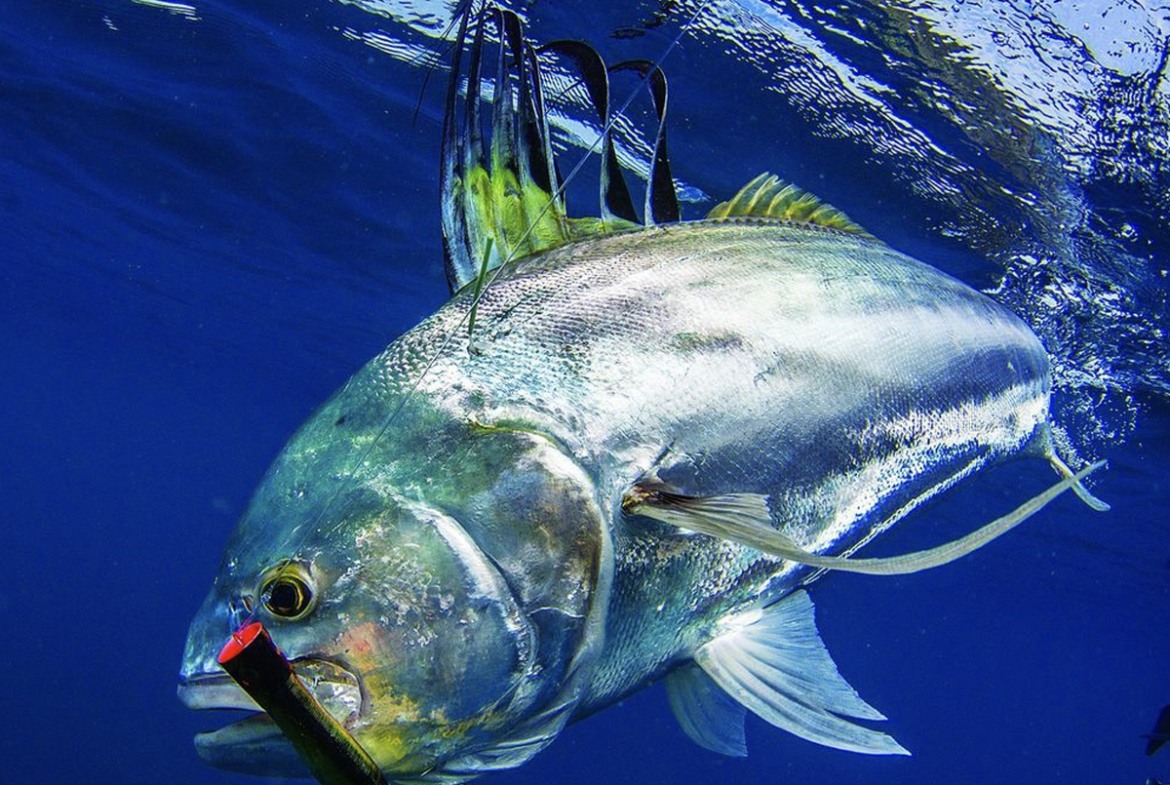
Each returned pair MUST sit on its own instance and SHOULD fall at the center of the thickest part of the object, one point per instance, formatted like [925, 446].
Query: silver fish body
[456, 508]
[843, 379]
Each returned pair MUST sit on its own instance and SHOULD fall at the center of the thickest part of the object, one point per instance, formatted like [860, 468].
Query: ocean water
[212, 213]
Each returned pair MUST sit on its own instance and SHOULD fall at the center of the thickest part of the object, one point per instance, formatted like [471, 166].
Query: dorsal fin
[661, 198]
[497, 204]
[502, 200]
[767, 196]
[615, 195]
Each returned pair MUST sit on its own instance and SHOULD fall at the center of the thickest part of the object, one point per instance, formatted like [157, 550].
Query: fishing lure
[334, 757]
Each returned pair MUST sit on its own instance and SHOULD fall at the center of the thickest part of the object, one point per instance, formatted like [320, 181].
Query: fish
[1160, 735]
[621, 453]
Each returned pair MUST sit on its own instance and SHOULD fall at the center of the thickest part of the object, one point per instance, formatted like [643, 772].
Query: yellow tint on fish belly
[386, 746]
[383, 740]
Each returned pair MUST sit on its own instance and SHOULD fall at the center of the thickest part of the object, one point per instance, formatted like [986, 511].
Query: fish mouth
[255, 745]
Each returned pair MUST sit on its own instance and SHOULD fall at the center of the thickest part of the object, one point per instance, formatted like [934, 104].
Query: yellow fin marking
[767, 196]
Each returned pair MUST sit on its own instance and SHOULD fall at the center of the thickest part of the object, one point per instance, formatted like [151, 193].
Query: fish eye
[287, 592]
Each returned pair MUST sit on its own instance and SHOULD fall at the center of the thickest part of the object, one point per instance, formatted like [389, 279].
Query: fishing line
[350, 474]
[438, 58]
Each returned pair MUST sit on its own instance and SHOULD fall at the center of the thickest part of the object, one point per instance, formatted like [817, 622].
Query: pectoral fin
[744, 518]
[1083, 493]
[1043, 445]
[774, 664]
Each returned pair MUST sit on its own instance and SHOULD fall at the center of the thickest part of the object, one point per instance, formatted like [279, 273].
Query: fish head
[431, 611]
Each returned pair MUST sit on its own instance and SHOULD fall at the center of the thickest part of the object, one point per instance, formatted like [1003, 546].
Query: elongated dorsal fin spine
[767, 196]
[499, 203]
[504, 200]
[615, 194]
[661, 197]
[544, 172]
[452, 171]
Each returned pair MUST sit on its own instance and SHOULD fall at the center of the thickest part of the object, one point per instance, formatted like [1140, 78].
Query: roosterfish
[618, 455]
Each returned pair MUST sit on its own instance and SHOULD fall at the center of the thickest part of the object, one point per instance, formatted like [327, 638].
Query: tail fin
[1160, 735]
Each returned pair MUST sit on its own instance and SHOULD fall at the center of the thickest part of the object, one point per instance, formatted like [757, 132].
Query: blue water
[211, 215]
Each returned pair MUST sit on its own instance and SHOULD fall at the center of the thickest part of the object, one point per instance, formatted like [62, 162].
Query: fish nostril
[239, 612]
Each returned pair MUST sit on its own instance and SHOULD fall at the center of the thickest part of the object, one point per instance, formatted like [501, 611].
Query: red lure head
[241, 639]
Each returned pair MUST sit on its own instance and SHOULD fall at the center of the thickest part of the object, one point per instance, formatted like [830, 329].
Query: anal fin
[774, 664]
[708, 715]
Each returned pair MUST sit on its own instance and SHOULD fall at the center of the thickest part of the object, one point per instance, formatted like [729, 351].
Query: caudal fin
[1161, 733]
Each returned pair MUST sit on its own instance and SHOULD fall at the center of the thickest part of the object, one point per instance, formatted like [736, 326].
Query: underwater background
[212, 213]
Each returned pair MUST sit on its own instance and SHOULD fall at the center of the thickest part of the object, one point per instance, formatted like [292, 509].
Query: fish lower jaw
[254, 744]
